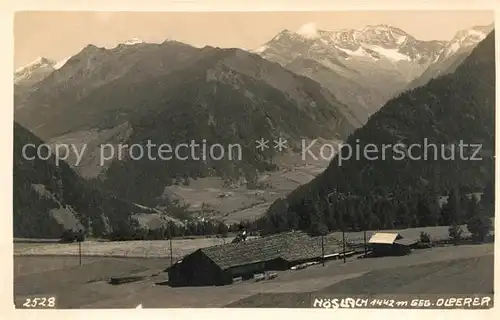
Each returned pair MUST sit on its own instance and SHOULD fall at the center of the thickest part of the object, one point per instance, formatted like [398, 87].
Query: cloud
[308, 30]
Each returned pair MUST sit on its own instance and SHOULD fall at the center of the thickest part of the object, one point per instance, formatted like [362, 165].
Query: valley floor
[210, 197]
[466, 269]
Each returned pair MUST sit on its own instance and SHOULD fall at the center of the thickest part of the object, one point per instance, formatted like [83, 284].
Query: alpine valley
[299, 86]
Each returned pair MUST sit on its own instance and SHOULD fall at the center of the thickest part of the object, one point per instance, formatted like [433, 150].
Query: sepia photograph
[286, 159]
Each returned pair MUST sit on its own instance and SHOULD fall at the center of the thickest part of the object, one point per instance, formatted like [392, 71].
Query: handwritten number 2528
[39, 302]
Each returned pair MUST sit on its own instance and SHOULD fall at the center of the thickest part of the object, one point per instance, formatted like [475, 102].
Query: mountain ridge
[363, 67]
[211, 94]
[438, 111]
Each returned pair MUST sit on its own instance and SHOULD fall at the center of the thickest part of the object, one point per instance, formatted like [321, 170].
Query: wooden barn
[390, 244]
[219, 265]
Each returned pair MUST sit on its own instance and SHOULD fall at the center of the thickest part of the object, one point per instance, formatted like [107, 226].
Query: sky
[58, 35]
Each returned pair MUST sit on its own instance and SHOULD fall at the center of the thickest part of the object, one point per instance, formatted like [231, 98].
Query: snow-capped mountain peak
[453, 53]
[363, 67]
[285, 33]
[470, 35]
[374, 42]
[34, 71]
[383, 35]
[383, 28]
[133, 41]
[464, 39]
[38, 62]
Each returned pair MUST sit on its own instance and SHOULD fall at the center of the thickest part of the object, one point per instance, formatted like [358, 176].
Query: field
[465, 269]
[128, 249]
[180, 247]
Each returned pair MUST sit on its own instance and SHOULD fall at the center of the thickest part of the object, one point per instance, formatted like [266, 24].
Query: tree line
[131, 230]
[348, 212]
[336, 211]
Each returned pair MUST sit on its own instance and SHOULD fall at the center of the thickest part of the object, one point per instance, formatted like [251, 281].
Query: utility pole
[90, 232]
[80, 251]
[348, 207]
[343, 243]
[171, 256]
[323, 250]
[79, 237]
[364, 238]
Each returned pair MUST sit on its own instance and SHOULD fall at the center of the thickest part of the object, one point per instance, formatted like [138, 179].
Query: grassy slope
[467, 276]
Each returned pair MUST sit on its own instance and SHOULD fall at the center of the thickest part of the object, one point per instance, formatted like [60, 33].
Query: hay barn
[219, 265]
[390, 244]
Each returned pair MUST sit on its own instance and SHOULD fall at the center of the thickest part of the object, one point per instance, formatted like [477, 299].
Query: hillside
[453, 108]
[231, 98]
[50, 197]
[225, 96]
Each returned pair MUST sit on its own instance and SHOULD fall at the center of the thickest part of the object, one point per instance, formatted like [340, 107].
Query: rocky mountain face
[50, 197]
[363, 68]
[454, 109]
[453, 54]
[172, 94]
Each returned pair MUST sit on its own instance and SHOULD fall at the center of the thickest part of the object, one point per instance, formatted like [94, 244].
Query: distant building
[242, 236]
[219, 265]
[390, 244]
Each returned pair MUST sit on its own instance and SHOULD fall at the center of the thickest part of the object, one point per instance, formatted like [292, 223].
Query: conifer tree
[479, 224]
[428, 211]
[451, 212]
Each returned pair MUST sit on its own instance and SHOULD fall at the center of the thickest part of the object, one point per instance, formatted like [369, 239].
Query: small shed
[390, 244]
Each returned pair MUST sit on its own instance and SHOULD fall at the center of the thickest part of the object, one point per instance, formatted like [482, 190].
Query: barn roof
[384, 237]
[406, 242]
[310, 248]
[290, 246]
